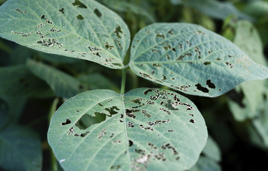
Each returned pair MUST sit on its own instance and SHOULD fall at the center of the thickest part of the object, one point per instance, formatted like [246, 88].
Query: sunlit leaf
[20, 149]
[80, 29]
[149, 129]
[62, 84]
[191, 59]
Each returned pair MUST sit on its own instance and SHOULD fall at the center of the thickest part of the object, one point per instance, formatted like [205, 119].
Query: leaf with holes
[81, 29]
[62, 84]
[20, 149]
[145, 128]
[191, 59]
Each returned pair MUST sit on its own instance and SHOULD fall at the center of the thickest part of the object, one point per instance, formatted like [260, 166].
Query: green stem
[123, 83]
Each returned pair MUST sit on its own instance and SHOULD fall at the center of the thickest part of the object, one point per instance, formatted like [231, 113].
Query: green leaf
[216, 9]
[257, 8]
[249, 102]
[82, 29]
[123, 6]
[206, 164]
[20, 149]
[150, 129]
[191, 59]
[212, 150]
[17, 81]
[175, 2]
[62, 84]
[96, 81]
[3, 112]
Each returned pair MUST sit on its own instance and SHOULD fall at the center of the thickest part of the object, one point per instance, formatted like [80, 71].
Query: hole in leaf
[192, 121]
[97, 12]
[68, 121]
[210, 84]
[86, 120]
[115, 167]
[117, 31]
[61, 10]
[130, 143]
[207, 63]
[79, 4]
[201, 88]
[80, 17]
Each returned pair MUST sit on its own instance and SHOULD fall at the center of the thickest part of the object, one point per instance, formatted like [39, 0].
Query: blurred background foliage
[34, 84]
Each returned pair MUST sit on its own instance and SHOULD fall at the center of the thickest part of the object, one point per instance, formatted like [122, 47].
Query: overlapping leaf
[62, 84]
[191, 59]
[81, 29]
[20, 149]
[149, 129]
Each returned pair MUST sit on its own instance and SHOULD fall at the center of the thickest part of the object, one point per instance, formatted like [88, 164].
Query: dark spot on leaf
[115, 167]
[207, 63]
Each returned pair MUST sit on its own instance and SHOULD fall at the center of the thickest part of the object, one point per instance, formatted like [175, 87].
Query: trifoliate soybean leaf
[62, 84]
[206, 164]
[216, 9]
[18, 81]
[145, 129]
[212, 150]
[80, 29]
[248, 103]
[191, 59]
[20, 149]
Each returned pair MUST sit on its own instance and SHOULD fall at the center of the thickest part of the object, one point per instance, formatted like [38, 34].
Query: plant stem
[123, 83]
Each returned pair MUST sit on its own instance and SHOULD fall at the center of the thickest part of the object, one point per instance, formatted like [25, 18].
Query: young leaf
[62, 84]
[80, 29]
[191, 59]
[20, 149]
[149, 129]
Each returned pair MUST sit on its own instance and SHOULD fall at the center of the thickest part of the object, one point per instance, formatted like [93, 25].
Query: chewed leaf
[191, 59]
[81, 29]
[145, 129]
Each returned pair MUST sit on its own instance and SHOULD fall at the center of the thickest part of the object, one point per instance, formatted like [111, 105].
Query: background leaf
[20, 149]
[246, 103]
[146, 128]
[82, 29]
[62, 84]
[191, 59]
